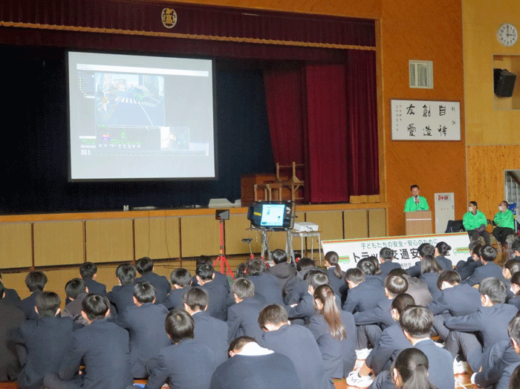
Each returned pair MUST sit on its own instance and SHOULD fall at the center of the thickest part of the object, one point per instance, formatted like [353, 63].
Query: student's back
[489, 270]
[459, 300]
[243, 318]
[11, 297]
[363, 297]
[9, 366]
[213, 333]
[431, 281]
[388, 266]
[392, 341]
[445, 263]
[161, 284]
[335, 282]
[219, 299]
[27, 306]
[174, 298]
[95, 287]
[121, 297]
[440, 364]
[267, 286]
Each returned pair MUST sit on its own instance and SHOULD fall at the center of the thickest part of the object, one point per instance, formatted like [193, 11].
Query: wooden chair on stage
[274, 191]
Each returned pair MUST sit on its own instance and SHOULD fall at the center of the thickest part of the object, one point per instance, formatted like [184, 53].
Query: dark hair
[196, 298]
[412, 365]
[243, 288]
[332, 257]
[401, 302]
[398, 271]
[494, 288]
[375, 261]
[95, 306]
[47, 303]
[144, 265]
[330, 311]
[367, 266]
[239, 343]
[515, 279]
[449, 276]
[513, 329]
[255, 267]
[305, 263]
[515, 379]
[414, 186]
[430, 265]
[426, 249]
[181, 277]
[355, 275]
[179, 325]
[126, 274]
[274, 314]
[488, 253]
[512, 265]
[396, 285]
[475, 247]
[516, 245]
[505, 202]
[87, 270]
[443, 248]
[36, 281]
[144, 292]
[279, 256]
[474, 203]
[386, 253]
[417, 321]
[316, 278]
[202, 260]
[75, 287]
[205, 272]
[2, 291]
[241, 271]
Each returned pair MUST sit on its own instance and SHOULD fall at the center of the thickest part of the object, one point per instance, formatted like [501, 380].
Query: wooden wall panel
[356, 224]
[330, 223]
[200, 236]
[237, 228]
[16, 246]
[109, 240]
[59, 243]
[377, 223]
[157, 238]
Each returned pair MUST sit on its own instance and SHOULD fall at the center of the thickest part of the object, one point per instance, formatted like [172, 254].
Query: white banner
[351, 251]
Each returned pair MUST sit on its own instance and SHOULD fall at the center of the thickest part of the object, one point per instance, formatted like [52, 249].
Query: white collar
[252, 349]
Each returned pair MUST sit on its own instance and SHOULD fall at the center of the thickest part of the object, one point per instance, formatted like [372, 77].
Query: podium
[418, 222]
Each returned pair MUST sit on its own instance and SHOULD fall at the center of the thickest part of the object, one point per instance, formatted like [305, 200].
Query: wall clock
[507, 34]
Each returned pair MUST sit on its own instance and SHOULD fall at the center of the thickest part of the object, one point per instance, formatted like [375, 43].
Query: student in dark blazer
[362, 296]
[35, 281]
[76, 290]
[11, 295]
[302, 312]
[145, 324]
[161, 284]
[467, 267]
[386, 256]
[181, 281]
[423, 249]
[217, 276]
[266, 285]
[122, 295]
[102, 347]
[295, 342]
[243, 316]
[219, 299]
[442, 250]
[488, 268]
[41, 344]
[417, 288]
[254, 367]
[336, 275]
[208, 330]
[88, 272]
[430, 270]
[282, 269]
[514, 283]
[296, 287]
[9, 365]
[368, 267]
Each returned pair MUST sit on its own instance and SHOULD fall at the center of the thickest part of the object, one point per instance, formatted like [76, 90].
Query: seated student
[266, 285]
[417, 288]
[76, 290]
[243, 316]
[282, 269]
[241, 270]
[386, 256]
[335, 333]
[515, 289]
[489, 322]
[371, 323]
[475, 223]
[145, 323]
[218, 277]
[410, 370]
[219, 298]
[510, 267]
[208, 330]
[515, 378]
[88, 271]
[430, 270]
[35, 281]
[423, 250]
[455, 300]
[181, 280]
[392, 341]
[370, 269]
[296, 287]
[295, 342]
[336, 275]
[254, 367]
[442, 249]
[145, 268]
[186, 363]
[467, 268]
[11, 295]
[122, 295]
[9, 365]
[42, 343]
[102, 347]
[489, 268]
[362, 295]
[505, 223]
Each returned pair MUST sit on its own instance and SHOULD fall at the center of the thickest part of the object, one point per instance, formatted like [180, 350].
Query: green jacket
[472, 222]
[505, 219]
[411, 206]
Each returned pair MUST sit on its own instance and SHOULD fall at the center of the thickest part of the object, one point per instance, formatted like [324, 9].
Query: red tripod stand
[224, 265]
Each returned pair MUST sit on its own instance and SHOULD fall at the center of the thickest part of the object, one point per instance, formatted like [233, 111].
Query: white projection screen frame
[136, 117]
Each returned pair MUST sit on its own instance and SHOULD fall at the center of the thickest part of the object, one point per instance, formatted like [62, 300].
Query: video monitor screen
[273, 215]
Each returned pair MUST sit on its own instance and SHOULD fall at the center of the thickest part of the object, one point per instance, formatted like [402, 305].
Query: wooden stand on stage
[418, 223]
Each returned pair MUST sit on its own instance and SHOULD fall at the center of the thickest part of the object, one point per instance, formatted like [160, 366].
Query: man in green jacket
[505, 223]
[416, 202]
[475, 223]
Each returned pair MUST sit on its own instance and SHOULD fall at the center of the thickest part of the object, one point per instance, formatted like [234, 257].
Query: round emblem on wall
[169, 17]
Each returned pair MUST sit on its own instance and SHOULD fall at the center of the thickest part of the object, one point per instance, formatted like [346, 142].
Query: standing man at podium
[416, 202]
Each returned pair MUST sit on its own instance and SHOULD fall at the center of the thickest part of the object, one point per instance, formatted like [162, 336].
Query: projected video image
[129, 99]
[175, 138]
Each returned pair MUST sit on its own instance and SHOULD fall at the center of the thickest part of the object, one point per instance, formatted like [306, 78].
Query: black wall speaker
[504, 82]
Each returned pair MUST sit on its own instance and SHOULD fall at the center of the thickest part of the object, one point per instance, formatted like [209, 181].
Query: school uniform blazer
[431, 280]
[282, 271]
[219, 279]
[95, 287]
[379, 315]
[363, 297]
[418, 289]
[335, 282]
[219, 300]
[145, 324]
[272, 371]
[485, 271]
[41, 346]
[122, 297]
[515, 301]
[491, 322]
[305, 308]
[174, 298]
[445, 263]
[294, 290]
[376, 280]
[213, 333]
[467, 268]
[339, 356]
[267, 286]
[415, 270]
[74, 308]
[457, 301]
[390, 344]
[387, 267]
[503, 383]
[243, 318]
[9, 365]
[160, 283]
[186, 365]
[494, 362]
[440, 364]
[104, 349]
[298, 344]
[27, 306]
[11, 297]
